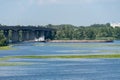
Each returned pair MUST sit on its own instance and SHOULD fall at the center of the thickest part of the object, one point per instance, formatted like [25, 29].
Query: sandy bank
[81, 41]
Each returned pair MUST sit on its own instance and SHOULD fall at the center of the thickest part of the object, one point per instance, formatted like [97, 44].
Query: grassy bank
[73, 56]
[63, 56]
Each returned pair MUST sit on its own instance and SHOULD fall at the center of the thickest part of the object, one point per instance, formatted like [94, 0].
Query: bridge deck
[24, 28]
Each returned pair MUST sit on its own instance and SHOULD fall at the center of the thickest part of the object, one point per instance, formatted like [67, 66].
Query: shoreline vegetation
[94, 56]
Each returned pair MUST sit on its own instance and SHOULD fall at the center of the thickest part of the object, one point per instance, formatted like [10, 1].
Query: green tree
[3, 41]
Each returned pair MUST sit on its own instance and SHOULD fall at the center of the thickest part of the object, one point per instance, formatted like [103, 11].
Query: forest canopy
[92, 32]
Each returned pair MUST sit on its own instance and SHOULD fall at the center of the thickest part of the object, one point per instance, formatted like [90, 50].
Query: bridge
[26, 33]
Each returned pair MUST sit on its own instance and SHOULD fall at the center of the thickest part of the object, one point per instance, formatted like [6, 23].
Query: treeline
[92, 32]
[3, 41]
[71, 32]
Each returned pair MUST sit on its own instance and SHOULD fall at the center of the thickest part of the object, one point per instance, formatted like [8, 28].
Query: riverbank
[80, 41]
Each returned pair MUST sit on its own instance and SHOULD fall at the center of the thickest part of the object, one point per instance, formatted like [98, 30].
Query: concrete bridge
[26, 33]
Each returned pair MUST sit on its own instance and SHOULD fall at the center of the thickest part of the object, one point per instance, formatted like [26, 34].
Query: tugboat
[41, 39]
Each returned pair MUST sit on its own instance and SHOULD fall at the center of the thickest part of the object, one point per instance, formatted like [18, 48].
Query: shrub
[3, 40]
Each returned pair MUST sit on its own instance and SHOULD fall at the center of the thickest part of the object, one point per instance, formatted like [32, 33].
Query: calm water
[62, 69]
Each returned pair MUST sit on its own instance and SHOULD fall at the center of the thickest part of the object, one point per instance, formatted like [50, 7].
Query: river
[60, 69]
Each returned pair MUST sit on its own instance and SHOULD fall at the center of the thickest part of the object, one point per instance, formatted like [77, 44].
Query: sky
[43, 12]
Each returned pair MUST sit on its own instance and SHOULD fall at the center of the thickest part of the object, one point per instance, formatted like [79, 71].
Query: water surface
[61, 69]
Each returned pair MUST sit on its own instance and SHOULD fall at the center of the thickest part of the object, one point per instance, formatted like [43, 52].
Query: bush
[3, 41]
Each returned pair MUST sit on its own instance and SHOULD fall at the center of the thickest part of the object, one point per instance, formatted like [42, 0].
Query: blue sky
[42, 12]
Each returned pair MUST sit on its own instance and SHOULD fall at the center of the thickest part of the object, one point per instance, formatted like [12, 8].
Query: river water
[61, 69]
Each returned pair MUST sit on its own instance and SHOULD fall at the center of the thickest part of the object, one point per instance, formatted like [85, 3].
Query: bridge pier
[31, 35]
[36, 34]
[6, 34]
[15, 36]
[25, 35]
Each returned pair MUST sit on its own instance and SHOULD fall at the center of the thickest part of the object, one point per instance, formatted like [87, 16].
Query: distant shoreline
[78, 41]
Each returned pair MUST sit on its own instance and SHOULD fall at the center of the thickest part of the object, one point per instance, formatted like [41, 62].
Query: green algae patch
[5, 58]
[97, 56]
[71, 56]
[5, 48]
[13, 63]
